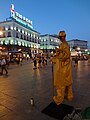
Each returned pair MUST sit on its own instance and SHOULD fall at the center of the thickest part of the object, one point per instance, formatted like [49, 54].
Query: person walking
[63, 71]
[39, 62]
[35, 63]
[76, 61]
[3, 66]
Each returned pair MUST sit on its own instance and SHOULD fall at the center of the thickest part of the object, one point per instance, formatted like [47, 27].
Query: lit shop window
[6, 42]
[19, 43]
[34, 46]
[22, 43]
[29, 45]
[26, 44]
[37, 47]
[15, 42]
[1, 42]
[11, 41]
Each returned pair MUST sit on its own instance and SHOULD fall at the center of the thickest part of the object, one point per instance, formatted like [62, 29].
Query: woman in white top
[3, 66]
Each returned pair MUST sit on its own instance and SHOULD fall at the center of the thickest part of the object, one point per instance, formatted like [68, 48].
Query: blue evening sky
[51, 16]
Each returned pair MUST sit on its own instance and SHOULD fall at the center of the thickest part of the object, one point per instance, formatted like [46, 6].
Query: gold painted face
[62, 35]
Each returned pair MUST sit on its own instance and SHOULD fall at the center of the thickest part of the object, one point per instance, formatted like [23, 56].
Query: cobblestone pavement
[23, 83]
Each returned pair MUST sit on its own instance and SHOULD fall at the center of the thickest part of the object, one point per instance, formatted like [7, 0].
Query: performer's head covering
[62, 34]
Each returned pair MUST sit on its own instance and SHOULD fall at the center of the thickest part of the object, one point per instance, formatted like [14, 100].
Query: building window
[30, 39]
[21, 31]
[3, 35]
[26, 33]
[39, 41]
[6, 28]
[9, 34]
[3, 28]
[35, 40]
[9, 28]
[16, 28]
[24, 37]
[21, 36]
[17, 35]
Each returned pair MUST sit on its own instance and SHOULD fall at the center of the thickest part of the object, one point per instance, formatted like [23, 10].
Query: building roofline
[76, 40]
[54, 35]
[12, 20]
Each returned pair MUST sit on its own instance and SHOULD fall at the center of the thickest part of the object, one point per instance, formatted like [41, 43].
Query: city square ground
[24, 83]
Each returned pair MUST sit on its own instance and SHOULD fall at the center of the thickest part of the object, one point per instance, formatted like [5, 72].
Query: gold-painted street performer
[63, 71]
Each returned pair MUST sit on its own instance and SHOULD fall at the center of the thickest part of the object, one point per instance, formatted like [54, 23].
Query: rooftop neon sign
[19, 18]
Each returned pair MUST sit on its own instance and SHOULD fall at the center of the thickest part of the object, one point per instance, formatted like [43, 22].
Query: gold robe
[63, 66]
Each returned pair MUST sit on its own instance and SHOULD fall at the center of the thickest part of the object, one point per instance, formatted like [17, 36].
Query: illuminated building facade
[80, 46]
[17, 33]
[48, 43]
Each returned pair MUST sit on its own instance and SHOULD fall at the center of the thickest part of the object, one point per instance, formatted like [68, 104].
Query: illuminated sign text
[19, 18]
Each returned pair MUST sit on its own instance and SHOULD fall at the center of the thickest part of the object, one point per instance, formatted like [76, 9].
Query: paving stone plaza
[24, 83]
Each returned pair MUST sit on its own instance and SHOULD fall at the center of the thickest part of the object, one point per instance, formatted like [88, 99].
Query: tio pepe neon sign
[18, 17]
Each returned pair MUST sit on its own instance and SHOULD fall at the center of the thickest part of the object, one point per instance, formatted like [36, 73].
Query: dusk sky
[51, 16]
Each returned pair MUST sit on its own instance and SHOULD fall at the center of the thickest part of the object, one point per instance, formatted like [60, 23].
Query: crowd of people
[6, 61]
[39, 61]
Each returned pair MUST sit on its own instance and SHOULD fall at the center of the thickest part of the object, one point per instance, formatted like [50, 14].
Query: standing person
[21, 60]
[43, 60]
[76, 62]
[35, 63]
[63, 71]
[39, 62]
[3, 66]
